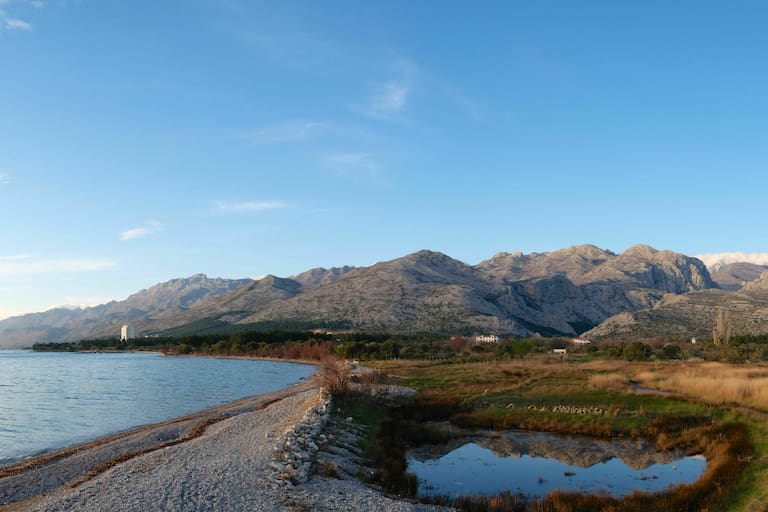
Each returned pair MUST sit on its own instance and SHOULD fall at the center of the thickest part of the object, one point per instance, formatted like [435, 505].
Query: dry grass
[612, 381]
[715, 383]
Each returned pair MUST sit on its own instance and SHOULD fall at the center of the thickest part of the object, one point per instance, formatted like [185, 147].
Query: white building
[127, 332]
[487, 338]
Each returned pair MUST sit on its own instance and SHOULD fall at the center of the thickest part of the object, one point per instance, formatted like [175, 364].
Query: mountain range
[640, 292]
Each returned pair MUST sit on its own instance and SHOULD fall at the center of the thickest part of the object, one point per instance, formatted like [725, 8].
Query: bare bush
[334, 375]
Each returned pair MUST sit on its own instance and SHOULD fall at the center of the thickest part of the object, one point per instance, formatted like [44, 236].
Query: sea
[50, 400]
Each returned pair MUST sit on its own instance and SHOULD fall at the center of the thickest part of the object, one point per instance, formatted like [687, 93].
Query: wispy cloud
[15, 24]
[389, 98]
[354, 164]
[287, 131]
[294, 45]
[716, 260]
[34, 266]
[4, 178]
[248, 206]
[151, 228]
[16, 257]
[9, 22]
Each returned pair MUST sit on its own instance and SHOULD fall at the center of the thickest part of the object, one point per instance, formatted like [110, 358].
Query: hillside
[693, 315]
[562, 292]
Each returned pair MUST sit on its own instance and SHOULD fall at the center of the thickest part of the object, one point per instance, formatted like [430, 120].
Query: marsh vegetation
[589, 398]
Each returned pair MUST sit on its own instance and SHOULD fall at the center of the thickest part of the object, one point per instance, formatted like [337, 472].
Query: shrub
[636, 351]
[334, 376]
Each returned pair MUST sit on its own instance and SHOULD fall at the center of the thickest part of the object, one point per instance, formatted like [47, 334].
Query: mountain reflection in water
[534, 464]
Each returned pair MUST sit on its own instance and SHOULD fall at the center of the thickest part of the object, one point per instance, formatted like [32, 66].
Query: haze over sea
[52, 400]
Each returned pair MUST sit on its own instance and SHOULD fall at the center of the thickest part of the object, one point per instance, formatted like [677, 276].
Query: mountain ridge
[563, 292]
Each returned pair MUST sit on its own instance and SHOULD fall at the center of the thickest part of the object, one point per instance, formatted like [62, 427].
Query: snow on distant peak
[718, 260]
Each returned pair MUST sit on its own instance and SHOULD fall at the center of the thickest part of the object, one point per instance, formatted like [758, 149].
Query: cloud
[151, 228]
[131, 234]
[34, 266]
[10, 22]
[4, 178]
[389, 98]
[16, 24]
[248, 206]
[287, 131]
[294, 45]
[716, 260]
[16, 257]
[354, 164]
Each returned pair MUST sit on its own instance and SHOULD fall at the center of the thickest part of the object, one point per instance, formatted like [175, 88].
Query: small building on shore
[487, 338]
[127, 332]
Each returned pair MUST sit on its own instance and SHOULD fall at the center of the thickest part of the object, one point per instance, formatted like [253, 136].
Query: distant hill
[141, 309]
[563, 292]
[733, 276]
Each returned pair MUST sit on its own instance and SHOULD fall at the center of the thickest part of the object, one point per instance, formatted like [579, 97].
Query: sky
[148, 140]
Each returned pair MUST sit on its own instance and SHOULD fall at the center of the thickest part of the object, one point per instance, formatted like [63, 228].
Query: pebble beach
[254, 454]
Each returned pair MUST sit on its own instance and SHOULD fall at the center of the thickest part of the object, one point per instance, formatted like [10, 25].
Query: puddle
[534, 464]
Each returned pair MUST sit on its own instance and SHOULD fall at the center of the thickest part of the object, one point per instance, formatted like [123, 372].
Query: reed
[715, 383]
[612, 381]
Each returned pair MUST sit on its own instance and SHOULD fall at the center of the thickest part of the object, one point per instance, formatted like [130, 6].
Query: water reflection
[534, 464]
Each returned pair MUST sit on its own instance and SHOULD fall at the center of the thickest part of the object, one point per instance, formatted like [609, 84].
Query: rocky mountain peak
[640, 251]
[321, 276]
[573, 262]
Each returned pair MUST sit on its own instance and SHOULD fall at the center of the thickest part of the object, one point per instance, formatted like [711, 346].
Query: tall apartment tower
[127, 332]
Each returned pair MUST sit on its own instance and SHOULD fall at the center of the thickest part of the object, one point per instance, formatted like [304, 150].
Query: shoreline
[263, 452]
[33, 477]
[236, 456]
[40, 452]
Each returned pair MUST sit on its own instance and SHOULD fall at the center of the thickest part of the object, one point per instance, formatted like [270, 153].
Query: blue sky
[142, 141]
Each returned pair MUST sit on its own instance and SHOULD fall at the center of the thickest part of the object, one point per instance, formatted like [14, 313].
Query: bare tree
[722, 331]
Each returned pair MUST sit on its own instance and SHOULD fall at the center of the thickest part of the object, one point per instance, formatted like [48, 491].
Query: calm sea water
[52, 400]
